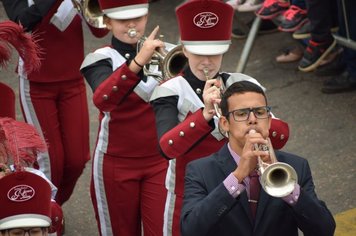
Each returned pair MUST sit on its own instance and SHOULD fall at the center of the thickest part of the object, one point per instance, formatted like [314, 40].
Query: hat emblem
[206, 20]
[21, 193]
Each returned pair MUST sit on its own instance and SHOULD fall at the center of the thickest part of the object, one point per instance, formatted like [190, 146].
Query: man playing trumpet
[220, 190]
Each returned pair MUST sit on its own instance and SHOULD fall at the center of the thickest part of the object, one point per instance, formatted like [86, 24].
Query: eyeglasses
[244, 114]
[38, 231]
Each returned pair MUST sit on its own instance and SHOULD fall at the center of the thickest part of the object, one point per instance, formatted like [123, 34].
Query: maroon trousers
[59, 111]
[128, 194]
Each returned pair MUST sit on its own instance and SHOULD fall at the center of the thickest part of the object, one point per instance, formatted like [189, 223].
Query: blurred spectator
[347, 80]
[320, 14]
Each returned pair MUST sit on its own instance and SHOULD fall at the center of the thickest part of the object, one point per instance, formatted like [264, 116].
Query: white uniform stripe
[100, 194]
[171, 198]
[168, 214]
[31, 118]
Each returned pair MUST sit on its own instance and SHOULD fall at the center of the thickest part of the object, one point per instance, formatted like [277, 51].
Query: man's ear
[224, 124]
[269, 121]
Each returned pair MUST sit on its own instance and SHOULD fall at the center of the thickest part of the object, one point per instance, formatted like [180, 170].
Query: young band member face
[121, 28]
[32, 231]
[197, 63]
[238, 122]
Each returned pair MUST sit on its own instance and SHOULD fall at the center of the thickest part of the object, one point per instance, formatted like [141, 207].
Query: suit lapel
[228, 165]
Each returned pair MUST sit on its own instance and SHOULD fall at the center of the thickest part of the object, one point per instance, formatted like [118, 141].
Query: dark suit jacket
[209, 209]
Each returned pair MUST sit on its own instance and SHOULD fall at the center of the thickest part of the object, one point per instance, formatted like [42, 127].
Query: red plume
[4, 54]
[20, 142]
[25, 44]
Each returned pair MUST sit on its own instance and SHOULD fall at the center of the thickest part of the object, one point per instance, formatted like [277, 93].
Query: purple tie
[254, 192]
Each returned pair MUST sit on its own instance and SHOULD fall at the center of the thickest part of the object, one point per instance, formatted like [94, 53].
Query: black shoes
[238, 34]
[266, 27]
[342, 83]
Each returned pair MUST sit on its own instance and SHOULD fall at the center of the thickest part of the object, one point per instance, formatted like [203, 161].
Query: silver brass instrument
[90, 10]
[222, 89]
[277, 179]
[169, 60]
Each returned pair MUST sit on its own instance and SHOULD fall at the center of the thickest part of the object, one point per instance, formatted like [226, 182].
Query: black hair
[239, 87]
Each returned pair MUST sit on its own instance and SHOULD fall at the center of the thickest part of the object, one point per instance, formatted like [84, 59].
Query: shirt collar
[234, 154]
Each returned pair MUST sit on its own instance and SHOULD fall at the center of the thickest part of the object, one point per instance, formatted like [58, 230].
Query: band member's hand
[150, 45]
[211, 96]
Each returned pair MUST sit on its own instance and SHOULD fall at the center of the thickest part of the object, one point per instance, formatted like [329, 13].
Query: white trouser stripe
[31, 118]
[168, 214]
[98, 177]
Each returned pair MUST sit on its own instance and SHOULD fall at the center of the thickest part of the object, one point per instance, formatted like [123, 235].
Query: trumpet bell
[90, 10]
[173, 62]
[93, 14]
[279, 179]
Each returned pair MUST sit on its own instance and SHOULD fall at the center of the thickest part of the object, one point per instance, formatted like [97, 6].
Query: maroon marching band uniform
[53, 98]
[128, 171]
[184, 134]
[27, 139]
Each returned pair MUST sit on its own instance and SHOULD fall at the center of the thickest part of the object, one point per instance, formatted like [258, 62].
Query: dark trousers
[323, 16]
[349, 54]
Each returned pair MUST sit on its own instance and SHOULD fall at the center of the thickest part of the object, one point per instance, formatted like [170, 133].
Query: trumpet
[278, 179]
[90, 10]
[222, 89]
[170, 61]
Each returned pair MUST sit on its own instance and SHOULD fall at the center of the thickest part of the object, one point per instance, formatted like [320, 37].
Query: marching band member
[186, 118]
[127, 187]
[53, 98]
[26, 202]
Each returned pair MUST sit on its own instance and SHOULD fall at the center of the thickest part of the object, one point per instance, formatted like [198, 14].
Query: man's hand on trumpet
[250, 155]
[150, 45]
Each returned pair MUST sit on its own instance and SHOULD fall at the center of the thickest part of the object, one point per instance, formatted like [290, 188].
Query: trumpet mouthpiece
[132, 33]
[252, 131]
